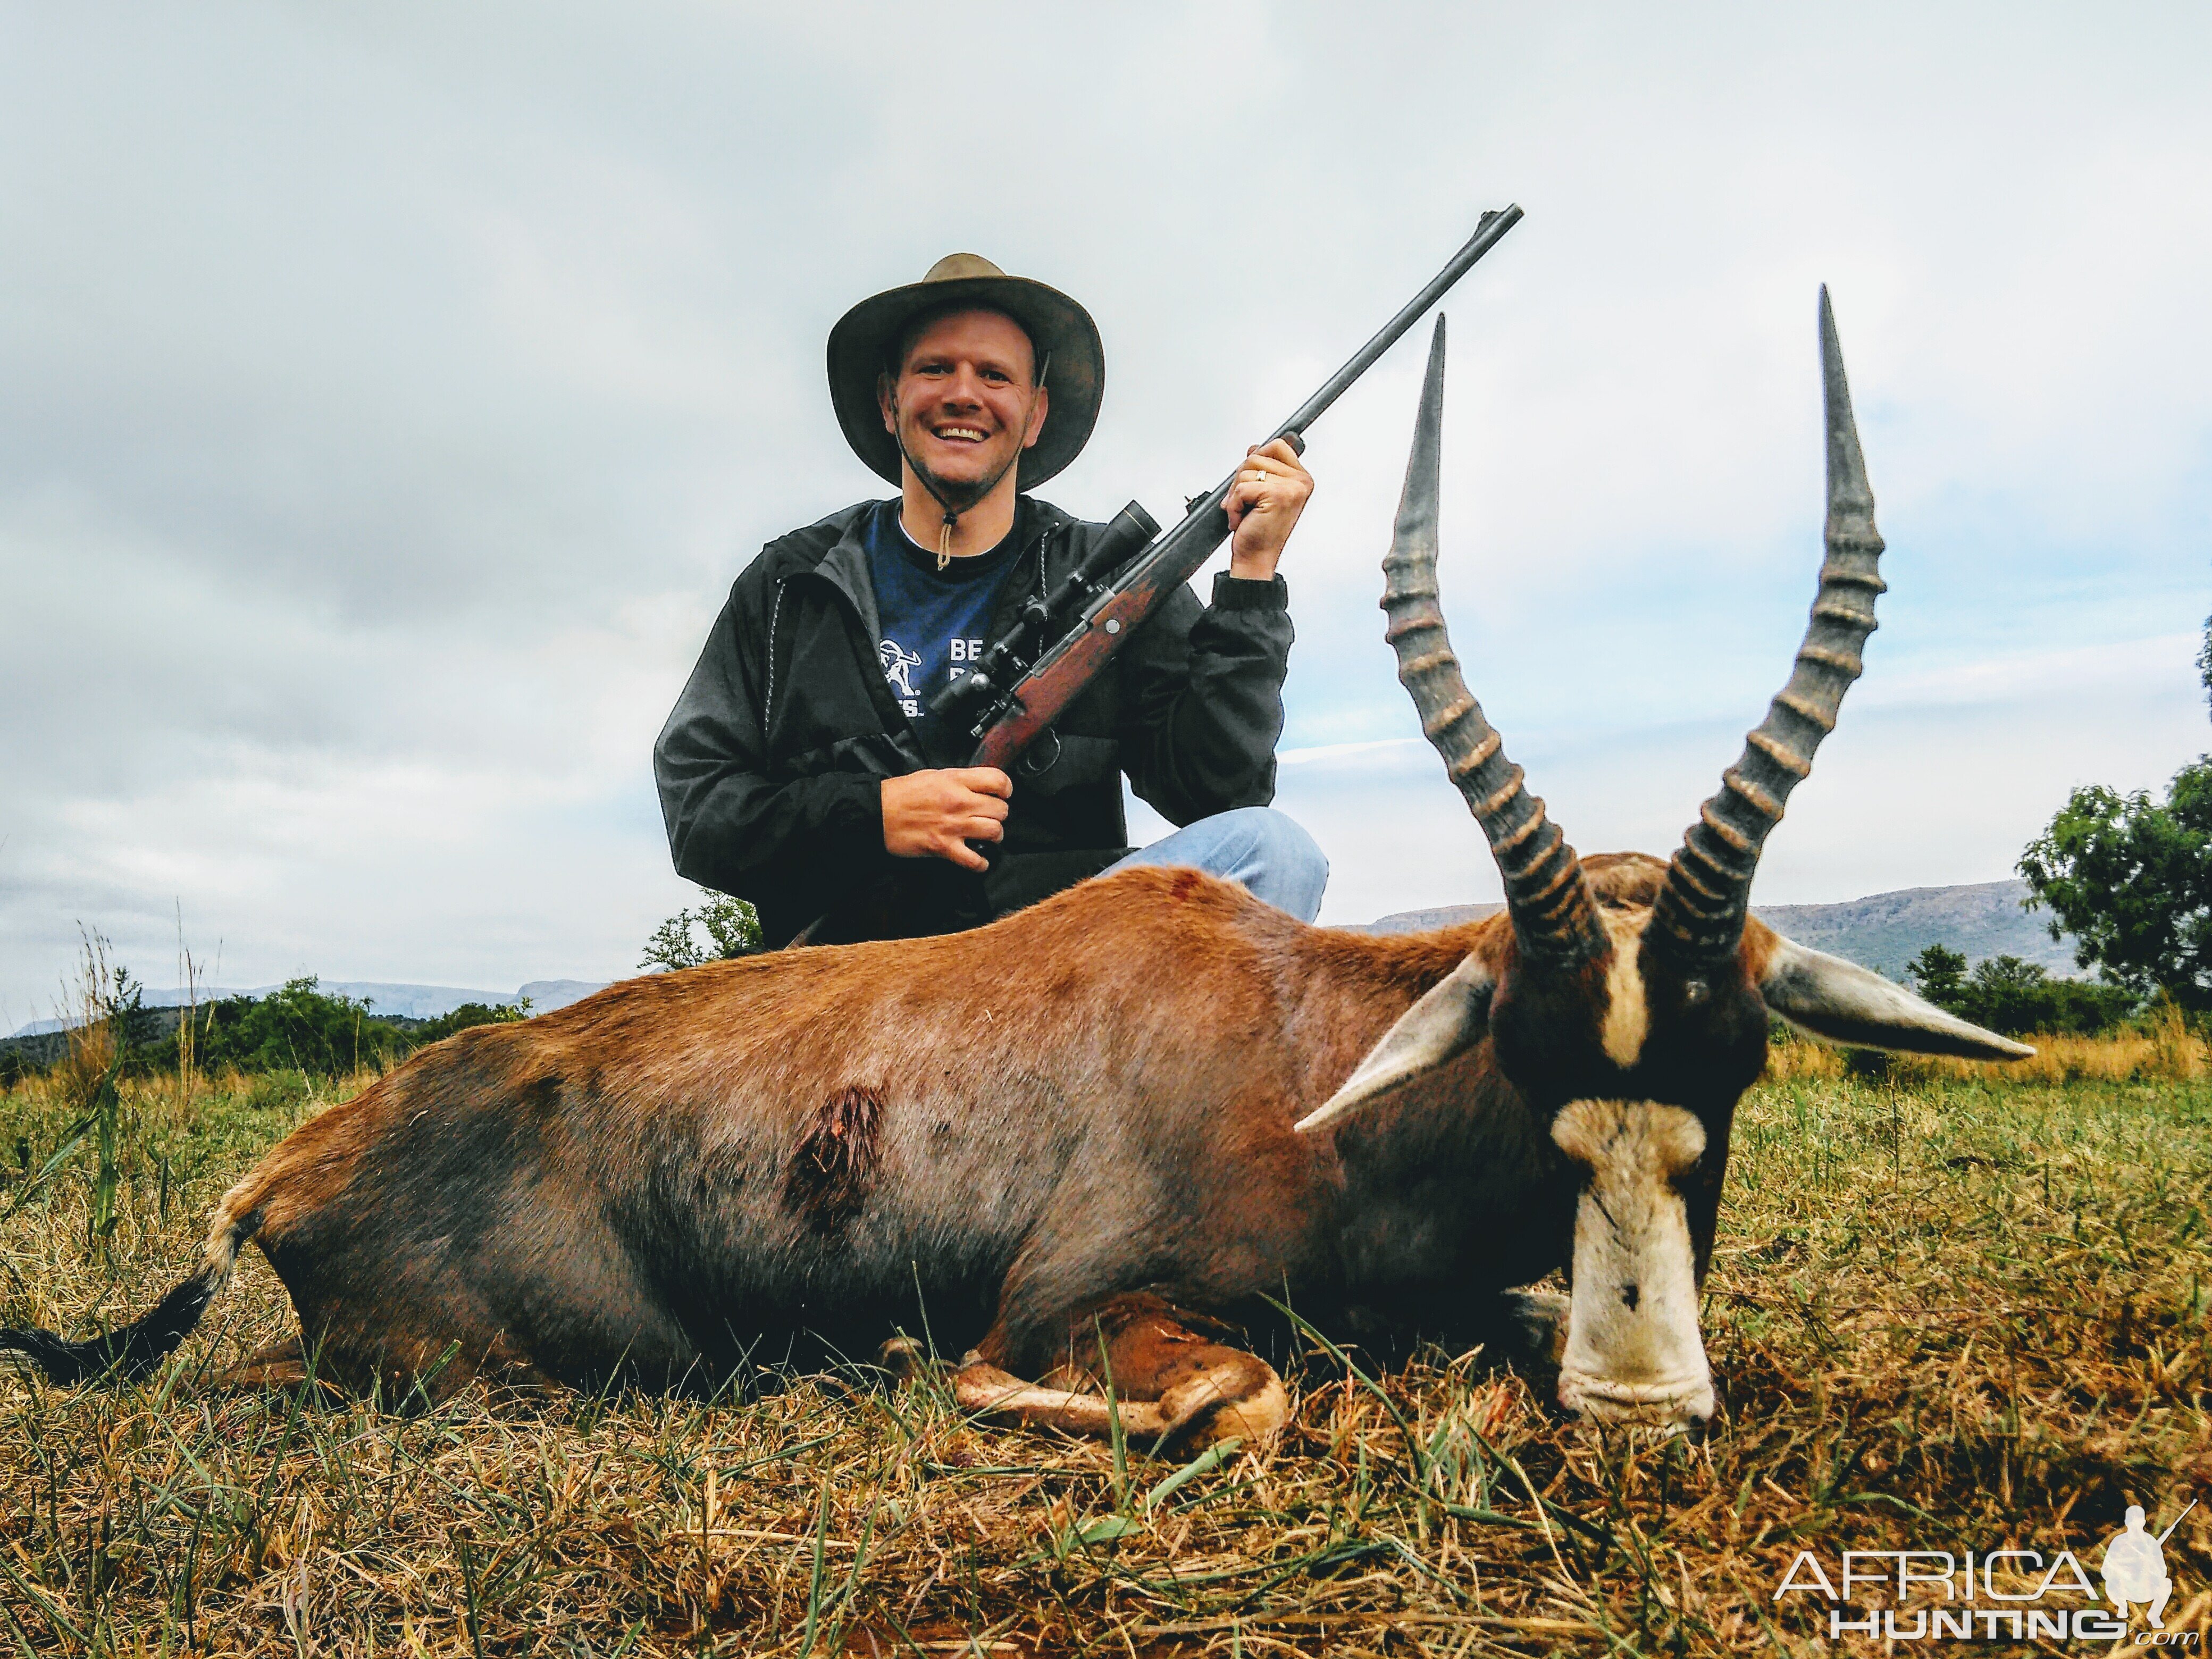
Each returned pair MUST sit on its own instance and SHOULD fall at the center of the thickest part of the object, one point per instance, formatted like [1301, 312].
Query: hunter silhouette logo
[2135, 1567]
[2013, 1594]
[899, 664]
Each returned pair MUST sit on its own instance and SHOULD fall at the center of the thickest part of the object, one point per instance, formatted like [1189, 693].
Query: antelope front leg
[1176, 1387]
[988, 1390]
[983, 1388]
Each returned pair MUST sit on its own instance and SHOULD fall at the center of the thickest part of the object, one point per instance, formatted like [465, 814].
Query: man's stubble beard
[954, 496]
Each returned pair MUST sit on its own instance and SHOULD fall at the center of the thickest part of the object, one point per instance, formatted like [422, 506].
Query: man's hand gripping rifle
[1063, 640]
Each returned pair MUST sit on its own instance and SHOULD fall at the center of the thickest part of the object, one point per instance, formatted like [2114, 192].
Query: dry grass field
[1953, 1308]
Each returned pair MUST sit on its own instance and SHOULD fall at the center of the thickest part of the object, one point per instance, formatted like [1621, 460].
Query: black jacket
[771, 764]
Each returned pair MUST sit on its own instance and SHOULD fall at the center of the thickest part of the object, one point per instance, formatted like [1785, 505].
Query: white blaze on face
[1627, 1014]
[1634, 1354]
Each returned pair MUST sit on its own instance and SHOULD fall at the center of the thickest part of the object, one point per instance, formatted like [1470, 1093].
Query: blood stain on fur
[834, 1167]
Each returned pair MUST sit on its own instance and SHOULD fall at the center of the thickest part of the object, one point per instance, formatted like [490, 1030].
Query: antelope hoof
[903, 1357]
[1242, 1399]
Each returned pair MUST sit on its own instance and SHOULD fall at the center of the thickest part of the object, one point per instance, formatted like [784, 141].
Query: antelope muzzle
[1634, 1352]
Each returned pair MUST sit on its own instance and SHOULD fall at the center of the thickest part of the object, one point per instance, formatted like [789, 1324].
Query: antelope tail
[130, 1354]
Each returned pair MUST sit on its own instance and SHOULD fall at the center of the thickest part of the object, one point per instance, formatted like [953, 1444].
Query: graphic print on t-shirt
[933, 622]
[899, 664]
[910, 687]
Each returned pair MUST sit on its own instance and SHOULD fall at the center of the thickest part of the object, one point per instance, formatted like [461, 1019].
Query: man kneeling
[801, 769]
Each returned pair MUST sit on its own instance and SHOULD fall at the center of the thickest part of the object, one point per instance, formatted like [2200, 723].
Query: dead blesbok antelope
[1078, 1137]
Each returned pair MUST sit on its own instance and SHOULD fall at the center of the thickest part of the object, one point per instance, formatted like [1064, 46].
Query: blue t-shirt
[934, 623]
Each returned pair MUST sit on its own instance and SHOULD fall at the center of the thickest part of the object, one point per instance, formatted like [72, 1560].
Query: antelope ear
[1837, 998]
[1450, 1019]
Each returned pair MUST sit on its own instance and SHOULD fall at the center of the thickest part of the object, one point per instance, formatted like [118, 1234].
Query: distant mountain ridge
[1883, 931]
[398, 1001]
[1886, 930]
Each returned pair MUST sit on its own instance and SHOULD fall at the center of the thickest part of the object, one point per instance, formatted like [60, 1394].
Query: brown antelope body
[1147, 1101]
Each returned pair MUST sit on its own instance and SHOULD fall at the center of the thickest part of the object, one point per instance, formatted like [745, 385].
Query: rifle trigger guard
[1029, 763]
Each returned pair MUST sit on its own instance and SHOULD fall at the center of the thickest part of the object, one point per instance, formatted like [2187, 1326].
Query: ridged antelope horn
[1552, 911]
[1699, 916]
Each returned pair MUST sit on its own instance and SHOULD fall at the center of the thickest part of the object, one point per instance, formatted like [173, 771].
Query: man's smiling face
[966, 401]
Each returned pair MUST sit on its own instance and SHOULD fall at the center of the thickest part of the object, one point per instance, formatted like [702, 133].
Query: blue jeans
[1268, 851]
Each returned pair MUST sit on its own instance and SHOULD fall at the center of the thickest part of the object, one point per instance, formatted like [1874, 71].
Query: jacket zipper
[775, 616]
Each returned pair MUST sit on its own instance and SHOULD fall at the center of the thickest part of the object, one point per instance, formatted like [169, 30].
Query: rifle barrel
[1493, 226]
[2177, 1520]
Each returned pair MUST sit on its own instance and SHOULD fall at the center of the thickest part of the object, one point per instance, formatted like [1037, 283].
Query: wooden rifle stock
[1081, 654]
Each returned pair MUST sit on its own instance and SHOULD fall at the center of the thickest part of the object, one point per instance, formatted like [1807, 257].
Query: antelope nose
[1682, 1407]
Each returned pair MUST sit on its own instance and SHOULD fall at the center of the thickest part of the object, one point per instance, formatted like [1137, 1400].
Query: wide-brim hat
[1067, 346]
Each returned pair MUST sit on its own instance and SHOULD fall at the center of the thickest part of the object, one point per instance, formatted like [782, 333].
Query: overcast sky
[389, 394]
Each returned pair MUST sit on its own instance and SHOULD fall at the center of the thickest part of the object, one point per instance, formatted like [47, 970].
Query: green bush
[2131, 879]
[2012, 997]
[732, 927]
[276, 1092]
[427, 1031]
[298, 1032]
[298, 1028]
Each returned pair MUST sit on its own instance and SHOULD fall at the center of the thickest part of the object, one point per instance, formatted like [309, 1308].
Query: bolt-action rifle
[1062, 640]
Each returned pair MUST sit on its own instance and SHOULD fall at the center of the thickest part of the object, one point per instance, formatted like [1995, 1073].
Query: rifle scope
[1129, 534]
